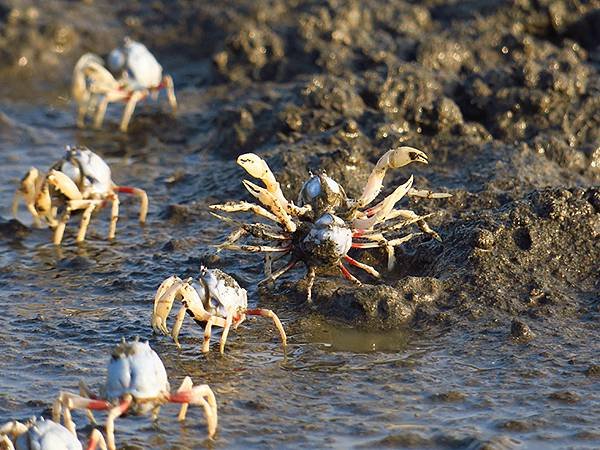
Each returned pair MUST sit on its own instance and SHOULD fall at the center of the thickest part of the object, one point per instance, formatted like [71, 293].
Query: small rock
[593, 370]
[520, 331]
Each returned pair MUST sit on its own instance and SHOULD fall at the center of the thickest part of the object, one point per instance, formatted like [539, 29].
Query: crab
[40, 434]
[81, 180]
[137, 384]
[216, 298]
[325, 224]
[129, 75]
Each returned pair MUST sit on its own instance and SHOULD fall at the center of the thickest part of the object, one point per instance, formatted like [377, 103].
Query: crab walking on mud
[216, 299]
[137, 384]
[79, 181]
[129, 75]
[40, 434]
[325, 224]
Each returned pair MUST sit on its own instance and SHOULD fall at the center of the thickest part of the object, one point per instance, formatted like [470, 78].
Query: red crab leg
[348, 275]
[141, 194]
[362, 266]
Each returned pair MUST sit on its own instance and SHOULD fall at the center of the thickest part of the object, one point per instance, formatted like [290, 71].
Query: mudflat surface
[487, 339]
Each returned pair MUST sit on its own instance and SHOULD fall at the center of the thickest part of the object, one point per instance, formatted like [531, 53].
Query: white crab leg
[169, 87]
[244, 207]
[388, 205]
[177, 325]
[428, 194]
[207, 334]
[272, 203]
[280, 272]
[311, 275]
[228, 322]
[74, 205]
[129, 107]
[85, 220]
[383, 244]
[67, 401]
[392, 159]
[258, 248]
[259, 230]
[113, 414]
[141, 194]
[114, 216]
[96, 439]
[197, 395]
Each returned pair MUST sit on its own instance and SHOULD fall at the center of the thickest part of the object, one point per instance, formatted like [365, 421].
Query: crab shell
[327, 241]
[96, 178]
[225, 294]
[142, 68]
[322, 193]
[137, 370]
[47, 435]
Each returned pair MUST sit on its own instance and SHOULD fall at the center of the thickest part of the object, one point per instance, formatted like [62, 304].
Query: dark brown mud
[487, 339]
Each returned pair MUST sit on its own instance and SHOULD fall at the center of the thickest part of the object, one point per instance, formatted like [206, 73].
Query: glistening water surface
[335, 387]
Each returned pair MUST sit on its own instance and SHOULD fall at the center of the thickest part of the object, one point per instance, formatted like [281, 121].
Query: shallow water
[64, 309]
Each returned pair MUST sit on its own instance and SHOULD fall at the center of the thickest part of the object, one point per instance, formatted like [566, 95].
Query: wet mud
[486, 339]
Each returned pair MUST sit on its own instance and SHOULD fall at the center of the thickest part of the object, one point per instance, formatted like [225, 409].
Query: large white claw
[64, 185]
[163, 302]
[392, 159]
[384, 208]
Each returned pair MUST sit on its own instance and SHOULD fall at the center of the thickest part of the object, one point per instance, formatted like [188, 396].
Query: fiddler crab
[81, 180]
[44, 435]
[129, 74]
[325, 224]
[137, 384]
[215, 298]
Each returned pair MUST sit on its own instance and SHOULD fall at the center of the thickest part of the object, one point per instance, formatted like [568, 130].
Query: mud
[483, 340]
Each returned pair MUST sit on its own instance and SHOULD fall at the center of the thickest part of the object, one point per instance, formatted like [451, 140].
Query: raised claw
[393, 159]
[62, 183]
[272, 203]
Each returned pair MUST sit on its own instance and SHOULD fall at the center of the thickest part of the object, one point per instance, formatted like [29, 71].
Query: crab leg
[392, 159]
[370, 270]
[167, 81]
[258, 230]
[244, 207]
[85, 221]
[207, 333]
[348, 275]
[96, 439]
[383, 244]
[228, 322]
[141, 194]
[280, 272]
[100, 111]
[270, 314]
[197, 395]
[177, 325]
[136, 96]
[114, 216]
[428, 194]
[311, 275]
[258, 248]
[67, 401]
[113, 414]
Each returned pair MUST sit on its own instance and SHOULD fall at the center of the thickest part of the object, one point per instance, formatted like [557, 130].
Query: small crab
[40, 434]
[79, 181]
[325, 224]
[216, 298]
[138, 75]
[137, 384]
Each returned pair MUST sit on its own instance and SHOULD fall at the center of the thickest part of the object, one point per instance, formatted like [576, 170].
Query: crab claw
[62, 183]
[384, 208]
[393, 159]
[258, 168]
[163, 302]
[270, 200]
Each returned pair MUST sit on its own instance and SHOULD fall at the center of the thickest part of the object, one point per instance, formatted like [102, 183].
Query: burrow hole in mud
[522, 238]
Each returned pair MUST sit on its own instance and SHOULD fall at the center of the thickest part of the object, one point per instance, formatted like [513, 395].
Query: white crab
[138, 74]
[40, 434]
[137, 384]
[79, 181]
[326, 224]
[216, 298]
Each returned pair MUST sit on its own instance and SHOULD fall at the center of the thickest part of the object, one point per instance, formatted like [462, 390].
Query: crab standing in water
[129, 75]
[137, 384]
[216, 299]
[79, 181]
[40, 434]
[325, 224]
